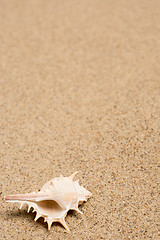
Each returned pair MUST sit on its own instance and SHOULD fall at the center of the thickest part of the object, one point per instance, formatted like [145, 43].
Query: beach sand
[80, 91]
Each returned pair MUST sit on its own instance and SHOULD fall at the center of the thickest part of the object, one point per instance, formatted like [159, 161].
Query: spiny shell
[54, 200]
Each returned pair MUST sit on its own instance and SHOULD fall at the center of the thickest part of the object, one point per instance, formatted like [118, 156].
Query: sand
[80, 90]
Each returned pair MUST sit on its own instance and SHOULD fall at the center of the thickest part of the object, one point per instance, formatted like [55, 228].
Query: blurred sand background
[80, 90]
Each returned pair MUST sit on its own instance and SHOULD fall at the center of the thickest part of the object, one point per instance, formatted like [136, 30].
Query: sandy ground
[80, 90]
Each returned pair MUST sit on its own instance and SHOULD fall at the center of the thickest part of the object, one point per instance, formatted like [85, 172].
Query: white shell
[54, 200]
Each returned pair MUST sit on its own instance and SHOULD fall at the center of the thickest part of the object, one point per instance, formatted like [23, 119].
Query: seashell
[54, 200]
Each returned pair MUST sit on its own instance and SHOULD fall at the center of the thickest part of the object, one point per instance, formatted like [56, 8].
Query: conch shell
[54, 200]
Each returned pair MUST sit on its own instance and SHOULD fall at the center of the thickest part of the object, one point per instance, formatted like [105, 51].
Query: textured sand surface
[80, 90]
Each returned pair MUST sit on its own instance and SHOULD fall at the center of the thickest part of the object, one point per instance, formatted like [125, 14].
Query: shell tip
[49, 224]
[37, 216]
[78, 211]
[29, 208]
[62, 221]
[20, 207]
[73, 175]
